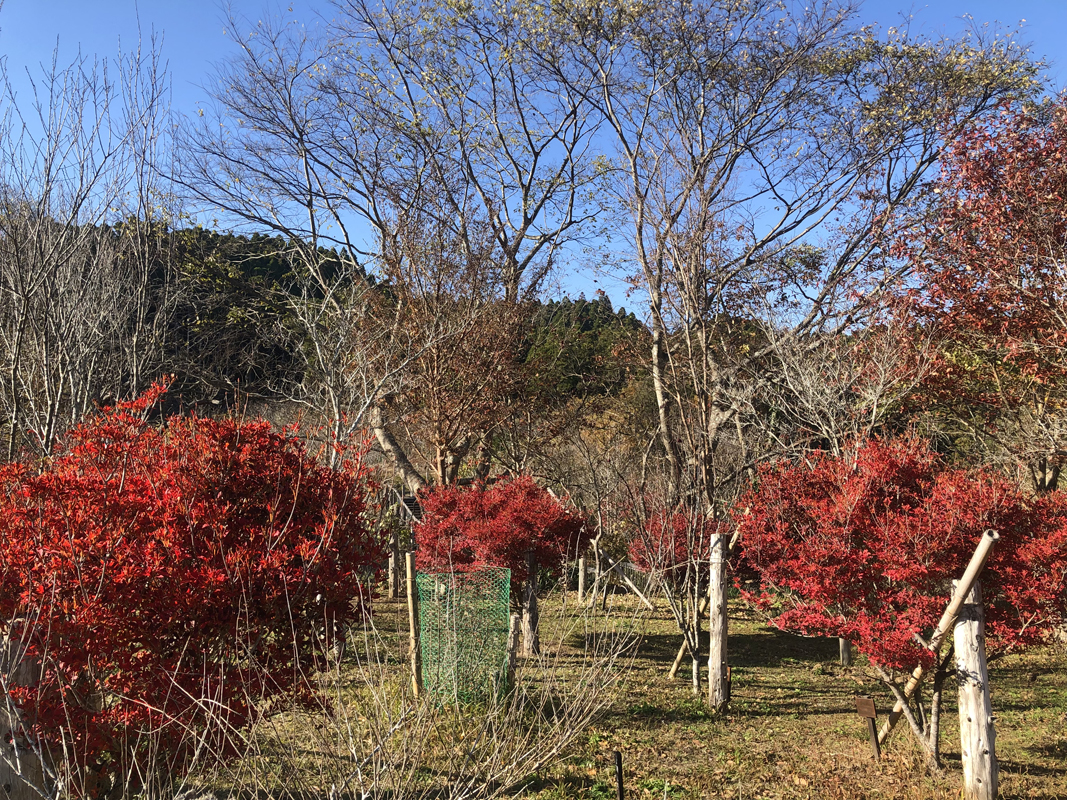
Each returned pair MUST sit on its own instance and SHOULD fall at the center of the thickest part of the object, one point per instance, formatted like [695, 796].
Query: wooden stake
[21, 774]
[718, 691]
[413, 626]
[618, 776]
[948, 619]
[514, 630]
[581, 579]
[394, 565]
[844, 647]
[977, 735]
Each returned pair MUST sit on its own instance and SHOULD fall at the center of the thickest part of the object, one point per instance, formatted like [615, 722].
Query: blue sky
[194, 37]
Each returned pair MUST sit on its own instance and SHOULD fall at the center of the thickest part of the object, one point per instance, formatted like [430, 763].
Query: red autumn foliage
[497, 526]
[992, 285]
[992, 257]
[672, 544]
[867, 549]
[151, 568]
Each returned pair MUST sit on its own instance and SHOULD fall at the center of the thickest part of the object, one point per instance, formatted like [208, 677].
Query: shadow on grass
[768, 648]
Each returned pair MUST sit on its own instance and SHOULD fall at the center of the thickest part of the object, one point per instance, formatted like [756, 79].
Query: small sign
[865, 708]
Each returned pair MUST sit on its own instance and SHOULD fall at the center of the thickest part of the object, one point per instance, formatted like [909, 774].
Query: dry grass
[791, 730]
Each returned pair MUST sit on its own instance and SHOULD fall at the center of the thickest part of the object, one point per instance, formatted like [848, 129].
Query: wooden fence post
[718, 674]
[948, 619]
[413, 623]
[514, 630]
[977, 735]
[394, 565]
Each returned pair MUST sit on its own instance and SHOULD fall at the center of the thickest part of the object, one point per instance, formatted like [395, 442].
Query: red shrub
[867, 550]
[150, 568]
[497, 526]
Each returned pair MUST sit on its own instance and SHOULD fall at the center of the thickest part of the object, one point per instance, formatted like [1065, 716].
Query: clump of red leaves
[152, 568]
[673, 543]
[867, 548]
[497, 525]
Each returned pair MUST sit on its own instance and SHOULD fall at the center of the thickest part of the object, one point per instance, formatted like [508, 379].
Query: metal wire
[463, 626]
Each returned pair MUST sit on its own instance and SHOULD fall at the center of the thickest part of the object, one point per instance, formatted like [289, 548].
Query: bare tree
[764, 156]
[81, 307]
[399, 127]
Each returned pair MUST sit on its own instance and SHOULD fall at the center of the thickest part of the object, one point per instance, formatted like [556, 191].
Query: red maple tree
[993, 285]
[172, 578]
[673, 544]
[866, 548]
[498, 525]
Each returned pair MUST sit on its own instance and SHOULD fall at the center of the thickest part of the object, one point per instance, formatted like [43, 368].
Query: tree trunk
[845, 649]
[531, 643]
[394, 451]
[718, 692]
[977, 735]
[581, 579]
[697, 610]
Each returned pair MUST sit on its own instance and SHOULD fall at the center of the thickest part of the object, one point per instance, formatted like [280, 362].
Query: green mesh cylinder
[463, 626]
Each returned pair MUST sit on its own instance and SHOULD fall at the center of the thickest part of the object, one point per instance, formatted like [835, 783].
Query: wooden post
[581, 579]
[618, 776]
[844, 647]
[21, 775]
[394, 566]
[977, 735]
[948, 619]
[413, 626]
[514, 630]
[718, 691]
[531, 643]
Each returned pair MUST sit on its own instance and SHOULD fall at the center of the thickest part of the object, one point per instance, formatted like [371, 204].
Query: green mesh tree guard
[463, 625]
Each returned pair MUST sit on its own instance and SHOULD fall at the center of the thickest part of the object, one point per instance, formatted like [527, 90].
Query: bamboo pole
[977, 734]
[413, 626]
[948, 619]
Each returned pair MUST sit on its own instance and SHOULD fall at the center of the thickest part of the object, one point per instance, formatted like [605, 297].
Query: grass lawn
[791, 730]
